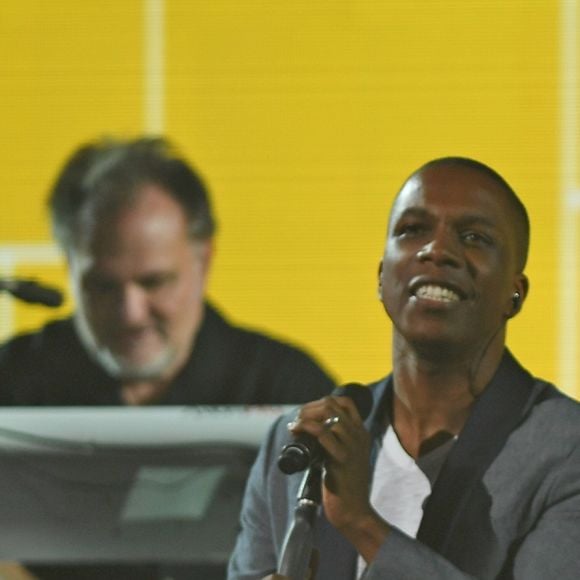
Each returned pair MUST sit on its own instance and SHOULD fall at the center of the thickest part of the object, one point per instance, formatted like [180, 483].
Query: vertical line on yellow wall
[570, 202]
[154, 74]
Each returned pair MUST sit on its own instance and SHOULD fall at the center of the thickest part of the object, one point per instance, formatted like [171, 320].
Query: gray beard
[116, 365]
[124, 370]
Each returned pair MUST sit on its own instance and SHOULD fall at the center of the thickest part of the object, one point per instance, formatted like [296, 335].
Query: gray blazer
[506, 504]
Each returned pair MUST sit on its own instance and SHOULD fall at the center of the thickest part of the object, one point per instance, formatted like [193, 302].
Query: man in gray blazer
[467, 466]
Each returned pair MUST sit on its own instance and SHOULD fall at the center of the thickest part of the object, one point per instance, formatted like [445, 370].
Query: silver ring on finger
[331, 421]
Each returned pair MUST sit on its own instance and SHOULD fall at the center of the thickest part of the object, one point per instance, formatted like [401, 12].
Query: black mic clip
[298, 543]
[32, 292]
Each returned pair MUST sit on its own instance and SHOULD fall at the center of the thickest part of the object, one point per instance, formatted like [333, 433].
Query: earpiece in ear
[516, 301]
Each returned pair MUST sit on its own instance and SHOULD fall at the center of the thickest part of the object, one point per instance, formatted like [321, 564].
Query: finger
[325, 410]
[311, 417]
[340, 443]
[333, 421]
[349, 407]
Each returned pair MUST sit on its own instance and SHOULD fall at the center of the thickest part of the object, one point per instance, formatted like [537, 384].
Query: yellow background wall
[304, 117]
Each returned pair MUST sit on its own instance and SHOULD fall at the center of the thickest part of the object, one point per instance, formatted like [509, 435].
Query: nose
[442, 250]
[133, 307]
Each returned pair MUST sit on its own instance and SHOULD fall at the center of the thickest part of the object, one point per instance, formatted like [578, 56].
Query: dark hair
[105, 175]
[520, 212]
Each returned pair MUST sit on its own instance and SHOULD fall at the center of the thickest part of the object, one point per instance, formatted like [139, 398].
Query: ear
[520, 292]
[204, 250]
[380, 279]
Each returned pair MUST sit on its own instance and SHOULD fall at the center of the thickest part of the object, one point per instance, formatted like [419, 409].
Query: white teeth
[433, 292]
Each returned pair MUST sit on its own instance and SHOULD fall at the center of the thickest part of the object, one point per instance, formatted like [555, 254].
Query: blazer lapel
[498, 411]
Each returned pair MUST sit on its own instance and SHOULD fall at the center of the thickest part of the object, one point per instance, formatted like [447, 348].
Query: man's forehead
[448, 186]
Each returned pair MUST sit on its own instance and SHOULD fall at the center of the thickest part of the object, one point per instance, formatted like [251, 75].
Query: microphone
[32, 292]
[305, 449]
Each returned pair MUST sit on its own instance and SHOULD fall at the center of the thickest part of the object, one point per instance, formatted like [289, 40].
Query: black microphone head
[361, 396]
[297, 456]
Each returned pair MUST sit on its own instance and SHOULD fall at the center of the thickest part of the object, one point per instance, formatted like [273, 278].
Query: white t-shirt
[401, 484]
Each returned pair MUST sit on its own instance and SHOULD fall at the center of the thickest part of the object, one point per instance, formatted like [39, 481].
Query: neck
[137, 393]
[435, 391]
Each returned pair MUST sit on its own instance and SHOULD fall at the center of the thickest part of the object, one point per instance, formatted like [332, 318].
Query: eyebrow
[418, 212]
[479, 220]
[471, 219]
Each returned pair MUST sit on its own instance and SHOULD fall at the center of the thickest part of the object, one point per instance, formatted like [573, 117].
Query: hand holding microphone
[318, 418]
[327, 433]
[330, 432]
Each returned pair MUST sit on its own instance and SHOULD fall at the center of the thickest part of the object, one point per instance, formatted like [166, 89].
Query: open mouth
[436, 293]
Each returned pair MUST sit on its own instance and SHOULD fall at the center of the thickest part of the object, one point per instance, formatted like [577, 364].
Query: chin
[429, 335]
[439, 346]
[126, 369]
